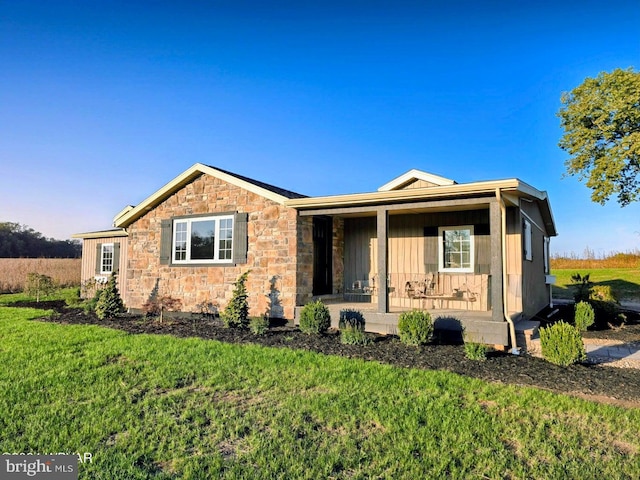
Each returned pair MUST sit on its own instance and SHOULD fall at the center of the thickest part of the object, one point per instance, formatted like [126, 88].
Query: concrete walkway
[613, 353]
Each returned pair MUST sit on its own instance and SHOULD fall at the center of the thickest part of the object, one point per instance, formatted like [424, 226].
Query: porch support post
[383, 247]
[495, 226]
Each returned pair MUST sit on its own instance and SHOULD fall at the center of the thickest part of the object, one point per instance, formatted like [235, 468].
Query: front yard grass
[163, 407]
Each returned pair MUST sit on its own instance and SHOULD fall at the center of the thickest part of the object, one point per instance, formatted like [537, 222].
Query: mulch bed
[601, 383]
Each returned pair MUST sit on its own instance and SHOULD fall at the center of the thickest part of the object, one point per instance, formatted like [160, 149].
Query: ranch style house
[473, 254]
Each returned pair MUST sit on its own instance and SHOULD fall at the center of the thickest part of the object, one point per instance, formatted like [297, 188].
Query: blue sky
[102, 103]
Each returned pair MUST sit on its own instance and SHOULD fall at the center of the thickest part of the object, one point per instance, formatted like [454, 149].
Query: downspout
[505, 311]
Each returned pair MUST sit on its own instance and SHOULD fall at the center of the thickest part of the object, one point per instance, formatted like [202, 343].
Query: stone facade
[273, 230]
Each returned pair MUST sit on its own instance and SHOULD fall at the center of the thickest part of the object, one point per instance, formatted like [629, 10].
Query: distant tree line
[20, 241]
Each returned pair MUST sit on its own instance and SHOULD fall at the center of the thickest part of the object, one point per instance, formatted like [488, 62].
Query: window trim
[216, 252]
[102, 258]
[441, 251]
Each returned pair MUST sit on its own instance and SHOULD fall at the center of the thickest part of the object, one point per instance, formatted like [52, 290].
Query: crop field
[13, 271]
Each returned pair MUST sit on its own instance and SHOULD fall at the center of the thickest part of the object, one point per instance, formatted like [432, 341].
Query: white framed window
[547, 264]
[106, 258]
[456, 249]
[203, 239]
[527, 237]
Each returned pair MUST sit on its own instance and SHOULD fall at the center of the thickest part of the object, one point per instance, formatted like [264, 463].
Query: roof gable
[413, 176]
[130, 214]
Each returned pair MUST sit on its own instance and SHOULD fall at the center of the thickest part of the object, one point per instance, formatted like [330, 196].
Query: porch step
[527, 336]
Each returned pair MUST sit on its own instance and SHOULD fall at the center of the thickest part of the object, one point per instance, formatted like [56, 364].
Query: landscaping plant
[315, 318]
[352, 328]
[236, 314]
[39, 285]
[476, 351]
[582, 287]
[415, 327]
[561, 343]
[584, 316]
[109, 302]
[259, 325]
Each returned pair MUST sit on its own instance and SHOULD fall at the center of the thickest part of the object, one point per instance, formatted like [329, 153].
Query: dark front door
[322, 237]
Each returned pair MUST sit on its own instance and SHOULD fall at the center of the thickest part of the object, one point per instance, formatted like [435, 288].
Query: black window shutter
[165, 242]
[240, 237]
[98, 258]
[116, 257]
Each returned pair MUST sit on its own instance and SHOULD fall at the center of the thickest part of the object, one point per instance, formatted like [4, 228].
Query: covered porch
[385, 259]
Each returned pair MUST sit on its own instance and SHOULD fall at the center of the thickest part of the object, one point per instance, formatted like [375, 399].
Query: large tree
[601, 122]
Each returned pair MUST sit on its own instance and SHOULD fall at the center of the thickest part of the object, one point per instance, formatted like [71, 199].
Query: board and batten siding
[413, 253]
[90, 260]
[535, 291]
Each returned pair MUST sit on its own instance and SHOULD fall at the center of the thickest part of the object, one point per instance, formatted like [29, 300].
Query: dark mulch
[601, 383]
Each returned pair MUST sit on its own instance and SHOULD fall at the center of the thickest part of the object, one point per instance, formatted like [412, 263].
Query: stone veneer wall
[273, 234]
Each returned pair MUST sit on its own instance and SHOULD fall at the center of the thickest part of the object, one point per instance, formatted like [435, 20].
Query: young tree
[601, 122]
[109, 301]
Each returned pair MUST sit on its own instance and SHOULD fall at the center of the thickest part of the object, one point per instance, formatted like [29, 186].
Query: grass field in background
[162, 407]
[13, 271]
[624, 282]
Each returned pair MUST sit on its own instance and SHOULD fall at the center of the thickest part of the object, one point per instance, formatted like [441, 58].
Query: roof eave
[129, 216]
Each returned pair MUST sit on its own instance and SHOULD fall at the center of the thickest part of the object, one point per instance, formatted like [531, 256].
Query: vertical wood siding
[413, 253]
[89, 261]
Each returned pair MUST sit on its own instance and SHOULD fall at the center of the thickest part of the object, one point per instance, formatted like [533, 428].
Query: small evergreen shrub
[351, 318]
[259, 325]
[354, 336]
[602, 293]
[584, 316]
[415, 327]
[236, 314]
[109, 303]
[582, 287]
[315, 318]
[561, 344]
[476, 351]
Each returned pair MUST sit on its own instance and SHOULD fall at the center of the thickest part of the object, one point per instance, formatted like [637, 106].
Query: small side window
[526, 234]
[106, 258]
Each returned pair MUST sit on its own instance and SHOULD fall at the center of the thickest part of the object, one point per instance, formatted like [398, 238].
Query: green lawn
[624, 282]
[162, 407]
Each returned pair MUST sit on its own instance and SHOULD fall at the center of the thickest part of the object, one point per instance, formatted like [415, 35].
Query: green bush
[39, 285]
[415, 327]
[236, 314]
[602, 293]
[259, 325]
[315, 318]
[561, 344]
[109, 303]
[351, 318]
[584, 316]
[354, 336]
[582, 287]
[476, 351]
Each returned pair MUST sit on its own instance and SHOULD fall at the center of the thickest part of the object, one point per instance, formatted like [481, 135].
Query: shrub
[351, 318]
[561, 344]
[582, 287]
[236, 314]
[584, 316]
[109, 303]
[38, 285]
[354, 336]
[315, 318]
[259, 325]
[476, 351]
[415, 327]
[602, 293]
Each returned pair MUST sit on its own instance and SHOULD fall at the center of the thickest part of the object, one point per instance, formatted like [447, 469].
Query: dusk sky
[103, 102]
